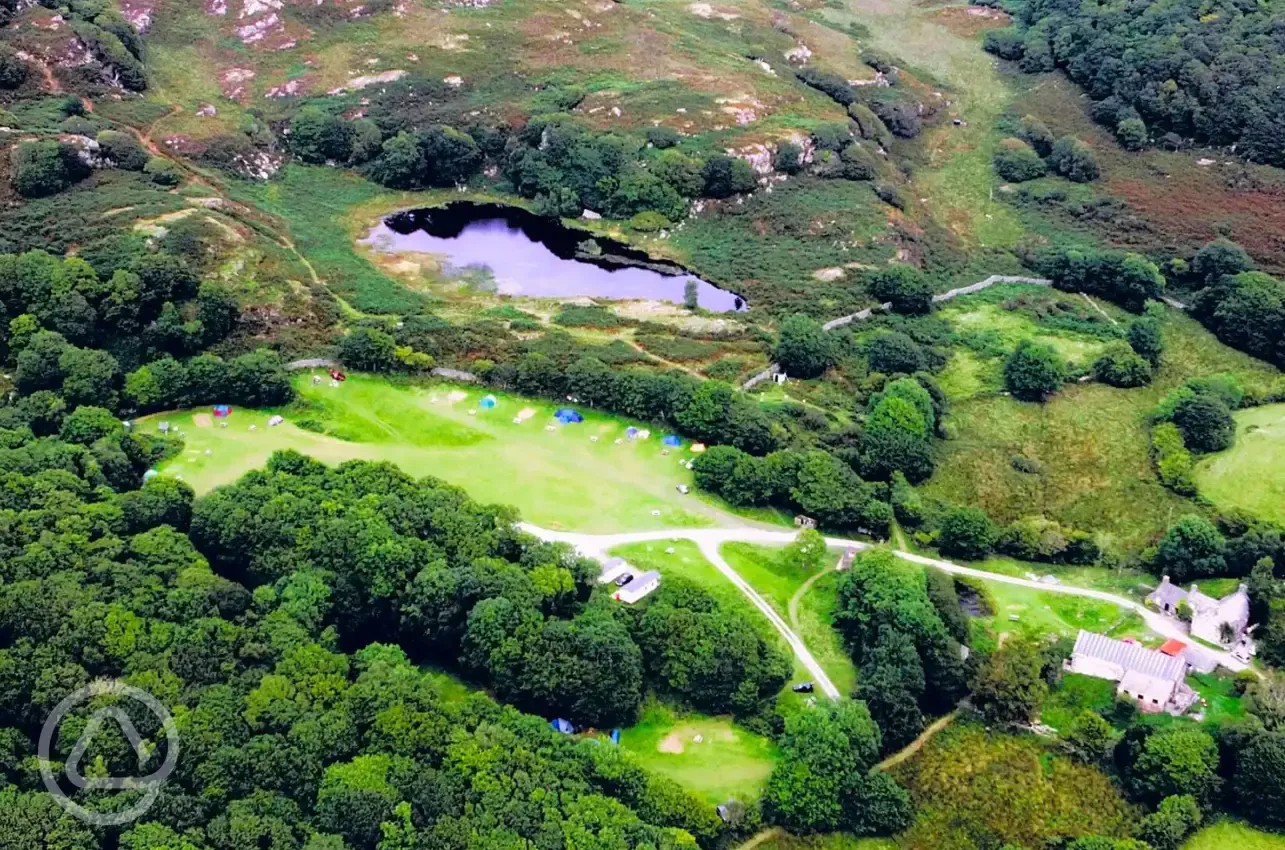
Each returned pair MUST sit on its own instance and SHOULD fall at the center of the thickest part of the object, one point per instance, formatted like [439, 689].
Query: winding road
[711, 540]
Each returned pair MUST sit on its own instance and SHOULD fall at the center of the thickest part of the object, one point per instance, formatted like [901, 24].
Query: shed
[1173, 647]
[638, 588]
[613, 569]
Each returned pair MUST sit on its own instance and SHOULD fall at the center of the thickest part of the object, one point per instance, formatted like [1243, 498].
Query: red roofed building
[1173, 647]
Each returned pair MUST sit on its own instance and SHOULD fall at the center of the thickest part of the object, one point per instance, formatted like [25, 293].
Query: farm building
[1155, 680]
[638, 588]
[1219, 621]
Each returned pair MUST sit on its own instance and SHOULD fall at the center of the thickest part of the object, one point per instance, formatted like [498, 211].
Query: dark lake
[538, 257]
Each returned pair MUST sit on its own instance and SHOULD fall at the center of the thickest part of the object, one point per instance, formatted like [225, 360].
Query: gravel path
[709, 541]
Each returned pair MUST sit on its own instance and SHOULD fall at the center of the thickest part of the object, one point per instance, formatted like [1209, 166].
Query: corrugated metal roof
[640, 581]
[1130, 656]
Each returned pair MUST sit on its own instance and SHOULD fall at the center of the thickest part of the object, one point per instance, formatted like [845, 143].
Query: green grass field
[1251, 474]
[1040, 614]
[1090, 441]
[1230, 835]
[813, 614]
[727, 763]
[558, 478]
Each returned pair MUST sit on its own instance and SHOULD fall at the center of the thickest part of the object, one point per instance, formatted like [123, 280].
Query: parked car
[683, 488]
[803, 688]
[624, 579]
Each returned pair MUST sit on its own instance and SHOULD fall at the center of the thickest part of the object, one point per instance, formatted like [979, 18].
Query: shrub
[44, 168]
[966, 533]
[163, 172]
[1120, 366]
[1036, 133]
[1006, 43]
[123, 150]
[649, 221]
[1206, 423]
[834, 86]
[13, 71]
[1132, 134]
[1074, 160]
[1033, 371]
[803, 348]
[869, 126]
[831, 137]
[663, 137]
[725, 176]
[1146, 337]
[1174, 464]
[787, 158]
[1219, 258]
[1016, 161]
[905, 287]
[893, 352]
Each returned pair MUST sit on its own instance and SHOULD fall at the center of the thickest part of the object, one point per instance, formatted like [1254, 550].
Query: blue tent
[563, 726]
[615, 736]
[566, 416]
[672, 441]
[487, 402]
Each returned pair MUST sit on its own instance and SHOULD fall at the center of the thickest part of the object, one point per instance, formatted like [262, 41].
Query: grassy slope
[1091, 439]
[1229, 835]
[1251, 474]
[557, 478]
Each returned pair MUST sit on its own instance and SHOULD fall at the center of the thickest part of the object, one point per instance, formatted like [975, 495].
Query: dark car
[624, 579]
[803, 688]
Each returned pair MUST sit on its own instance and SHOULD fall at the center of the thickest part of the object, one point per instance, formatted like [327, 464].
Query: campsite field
[728, 762]
[1251, 474]
[557, 478]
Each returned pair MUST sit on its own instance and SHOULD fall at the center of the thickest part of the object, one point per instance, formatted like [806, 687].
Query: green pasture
[1251, 474]
[1231, 835]
[1075, 693]
[728, 762]
[1090, 442]
[558, 478]
[1019, 610]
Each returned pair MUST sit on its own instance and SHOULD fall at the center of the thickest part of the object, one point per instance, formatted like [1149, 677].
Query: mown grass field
[728, 762]
[557, 478]
[1251, 474]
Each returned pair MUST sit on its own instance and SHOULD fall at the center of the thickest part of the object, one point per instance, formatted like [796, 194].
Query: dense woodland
[1166, 71]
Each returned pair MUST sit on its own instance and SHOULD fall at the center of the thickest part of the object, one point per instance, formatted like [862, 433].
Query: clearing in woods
[559, 478]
